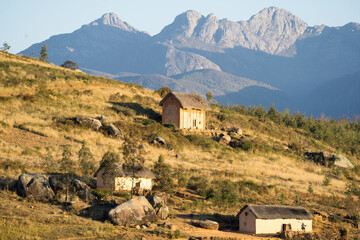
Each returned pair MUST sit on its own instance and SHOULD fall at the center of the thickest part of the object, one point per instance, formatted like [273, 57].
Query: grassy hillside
[39, 103]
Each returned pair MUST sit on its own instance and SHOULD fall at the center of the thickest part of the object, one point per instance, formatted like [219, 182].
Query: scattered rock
[143, 148]
[238, 131]
[156, 201]
[35, 186]
[172, 227]
[152, 225]
[178, 156]
[143, 227]
[207, 224]
[136, 211]
[90, 122]
[79, 185]
[170, 148]
[114, 131]
[61, 198]
[137, 227]
[322, 215]
[160, 140]
[163, 213]
[105, 119]
[342, 161]
[224, 138]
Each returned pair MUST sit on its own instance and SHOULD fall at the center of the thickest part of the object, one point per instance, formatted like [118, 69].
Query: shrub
[170, 125]
[200, 184]
[204, 142]
[326, 181]
[352, 188]
[225, 192]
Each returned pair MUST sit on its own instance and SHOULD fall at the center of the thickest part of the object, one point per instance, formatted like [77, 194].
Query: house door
[286, 227]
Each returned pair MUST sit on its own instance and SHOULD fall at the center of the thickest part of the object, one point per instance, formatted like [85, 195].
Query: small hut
[184, 110]
[124, 179]
[270, 219]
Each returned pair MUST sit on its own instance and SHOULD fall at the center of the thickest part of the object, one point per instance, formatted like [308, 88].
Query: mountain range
[274, 57]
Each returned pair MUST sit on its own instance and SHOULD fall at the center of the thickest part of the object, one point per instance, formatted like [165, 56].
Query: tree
[110, 163]
[163, 179]
[133, 160]
[43, 53]
[86, 160]
[209, 96]
[67, 166]
[70, 64]
[5, 47]
[163, 91]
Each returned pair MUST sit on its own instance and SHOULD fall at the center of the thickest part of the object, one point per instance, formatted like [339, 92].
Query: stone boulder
[90, 122]
[342, 161]
[163, 212]
[35, 186]
[114, 131]
[207, 224]
[136, 211]
[85, 195]
[58, 182]
[160, 140]
[224, 138]
[238, 131]
[144, 148]
[156, 201]
[79, 185]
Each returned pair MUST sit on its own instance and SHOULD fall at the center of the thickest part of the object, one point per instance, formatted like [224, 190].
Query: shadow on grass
[139, 110]
[98, 211]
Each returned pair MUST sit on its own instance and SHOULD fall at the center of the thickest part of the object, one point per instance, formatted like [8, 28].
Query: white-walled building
[269, 219]
[123, 179]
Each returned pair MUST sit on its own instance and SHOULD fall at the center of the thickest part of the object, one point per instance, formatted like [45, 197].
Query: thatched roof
[278, 212]
[188, 101]
[122, 171]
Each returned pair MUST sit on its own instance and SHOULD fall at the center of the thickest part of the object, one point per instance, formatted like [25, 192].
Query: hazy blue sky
[24, 22]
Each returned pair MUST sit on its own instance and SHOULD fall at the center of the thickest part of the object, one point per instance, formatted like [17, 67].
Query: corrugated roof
[188, 101]
[140, 172]
[278, 212]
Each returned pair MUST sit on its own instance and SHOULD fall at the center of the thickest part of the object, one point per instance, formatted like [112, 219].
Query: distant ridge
[197, 53]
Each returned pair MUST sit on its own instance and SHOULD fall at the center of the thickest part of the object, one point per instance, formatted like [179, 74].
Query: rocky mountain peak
[113, 20]
[183, 26]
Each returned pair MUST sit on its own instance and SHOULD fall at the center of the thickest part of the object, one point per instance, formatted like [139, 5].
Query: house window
[244, 224]
[246, 213]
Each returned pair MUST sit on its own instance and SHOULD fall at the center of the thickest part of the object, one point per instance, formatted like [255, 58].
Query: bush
[200, 184]
[225, 192]
[204, 142]
[70, 64]
[353, 188]
[170, 125]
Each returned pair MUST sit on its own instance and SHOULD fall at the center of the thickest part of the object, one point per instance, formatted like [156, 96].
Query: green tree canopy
[5, 47]
[86, 160]
[43, 53]
[209, 96]
[163, 179]
[70, 64]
